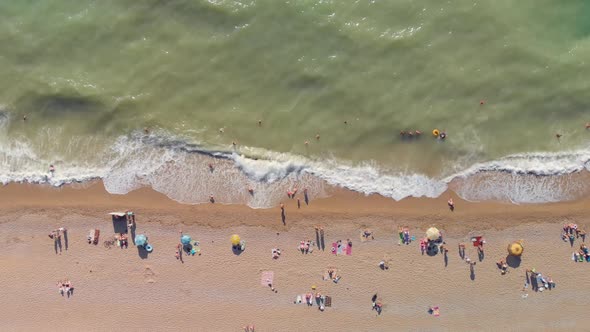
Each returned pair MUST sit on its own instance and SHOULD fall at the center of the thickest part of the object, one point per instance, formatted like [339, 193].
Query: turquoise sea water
[199, 75]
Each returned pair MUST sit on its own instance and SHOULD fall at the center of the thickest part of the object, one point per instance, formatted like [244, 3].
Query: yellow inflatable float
[435, 133]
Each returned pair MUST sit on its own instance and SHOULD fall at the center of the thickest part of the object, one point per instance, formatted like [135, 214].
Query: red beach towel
[348, 250]
[334, 247]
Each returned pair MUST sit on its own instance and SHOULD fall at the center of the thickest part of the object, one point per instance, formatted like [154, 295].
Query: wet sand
[222, 291]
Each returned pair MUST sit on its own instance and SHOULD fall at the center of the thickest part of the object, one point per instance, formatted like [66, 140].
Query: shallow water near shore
[90, 76]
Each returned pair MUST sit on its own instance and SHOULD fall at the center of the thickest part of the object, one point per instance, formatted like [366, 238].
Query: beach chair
[328, 301]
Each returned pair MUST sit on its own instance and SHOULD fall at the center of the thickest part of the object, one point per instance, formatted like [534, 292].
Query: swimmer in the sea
[442, 135]
[317, 137]
[259, 123]
[418, 132]
[558, 136]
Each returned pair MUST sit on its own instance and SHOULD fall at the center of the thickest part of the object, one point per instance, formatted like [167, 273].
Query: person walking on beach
[298, 203]
[462, 250]
[451, 204]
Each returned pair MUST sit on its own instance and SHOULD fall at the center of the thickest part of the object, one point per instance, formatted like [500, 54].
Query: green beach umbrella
[185, 239]
[140, 240]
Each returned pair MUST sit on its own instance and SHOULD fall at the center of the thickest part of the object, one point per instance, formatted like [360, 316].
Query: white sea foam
[181, 171]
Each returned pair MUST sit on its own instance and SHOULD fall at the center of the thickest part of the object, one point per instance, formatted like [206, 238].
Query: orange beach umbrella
[515, 248]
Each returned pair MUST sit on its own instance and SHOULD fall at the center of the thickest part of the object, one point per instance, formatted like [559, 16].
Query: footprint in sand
[149, 275]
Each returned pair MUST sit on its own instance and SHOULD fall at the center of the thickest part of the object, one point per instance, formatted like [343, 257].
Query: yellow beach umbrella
[235, 239]
[432, 233]
[515, 248]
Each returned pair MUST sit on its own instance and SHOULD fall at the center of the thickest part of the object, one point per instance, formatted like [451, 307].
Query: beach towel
[328, 301]
[334, 246]
[348, 250]
[267, 277]
[339, 250]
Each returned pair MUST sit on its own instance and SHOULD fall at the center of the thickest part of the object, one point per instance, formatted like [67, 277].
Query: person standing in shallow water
[451, 204]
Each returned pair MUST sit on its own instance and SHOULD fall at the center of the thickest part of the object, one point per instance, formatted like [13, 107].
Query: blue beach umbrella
[185, 239]
[140, 240]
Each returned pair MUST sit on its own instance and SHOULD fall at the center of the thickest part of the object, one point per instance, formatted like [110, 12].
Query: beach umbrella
[515, 248]
[432, 233]
[140, 240]
[235, 239]
[185, 239]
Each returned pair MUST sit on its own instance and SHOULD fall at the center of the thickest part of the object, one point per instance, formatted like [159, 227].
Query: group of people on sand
[571, 232]
[319, 299]
[333, 275]
[249, 328]
[56, 236]
[404, 236]
[582, 254]
[57, 233]
[123, 240]
[65, 287]
[376, 304]
[306, 247]
[537, 281]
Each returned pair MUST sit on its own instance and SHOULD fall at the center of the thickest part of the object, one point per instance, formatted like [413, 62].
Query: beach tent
[185, 240]
[235, 240]
[140, 240]
[515, 248]
[432, 233]
[118, 214]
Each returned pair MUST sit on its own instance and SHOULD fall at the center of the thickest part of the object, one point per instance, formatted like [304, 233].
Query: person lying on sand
[276, 253]
[336, 278]
[368, 233]
[331, 273]
[502, 266]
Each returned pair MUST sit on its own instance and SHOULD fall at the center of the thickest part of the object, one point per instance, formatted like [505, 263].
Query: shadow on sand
[119, 225]
[513, 261]
[143, 254]
[66, 242]
[432, 250]
[237, 250]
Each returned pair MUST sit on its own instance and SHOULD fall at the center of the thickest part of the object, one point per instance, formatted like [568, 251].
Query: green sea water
[88, 72]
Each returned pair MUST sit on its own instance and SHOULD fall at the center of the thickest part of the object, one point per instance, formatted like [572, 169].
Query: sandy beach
[220, 291]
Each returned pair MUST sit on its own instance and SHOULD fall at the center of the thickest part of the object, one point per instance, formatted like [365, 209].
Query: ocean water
[501, 78]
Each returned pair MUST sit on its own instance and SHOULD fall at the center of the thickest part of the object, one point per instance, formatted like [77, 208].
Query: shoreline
[346, 204]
